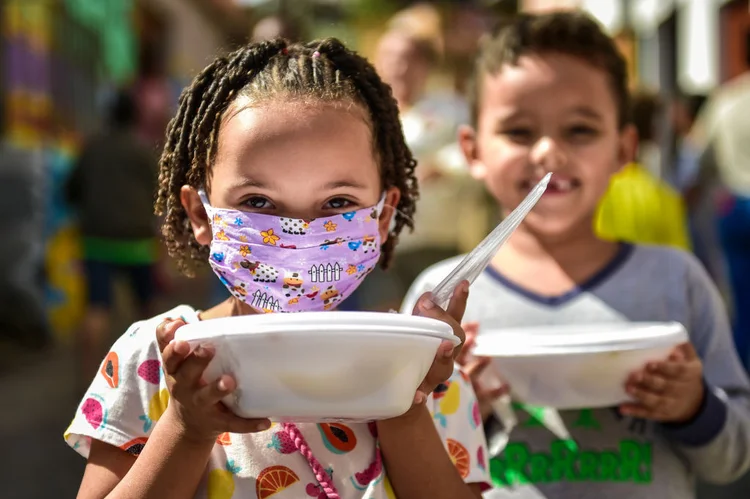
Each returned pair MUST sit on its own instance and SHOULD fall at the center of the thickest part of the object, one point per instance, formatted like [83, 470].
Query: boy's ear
[628, 147]
[197, 215]
[467, 139]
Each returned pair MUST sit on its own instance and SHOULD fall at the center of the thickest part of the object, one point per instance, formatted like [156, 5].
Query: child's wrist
[411, 417]
[695, 408]
[184, 432]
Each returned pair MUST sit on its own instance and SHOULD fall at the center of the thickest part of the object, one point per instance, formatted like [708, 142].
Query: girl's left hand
[443, 365]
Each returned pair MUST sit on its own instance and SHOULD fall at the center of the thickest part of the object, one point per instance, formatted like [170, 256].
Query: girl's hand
[443, 365]
[194, 404]
[474, 367]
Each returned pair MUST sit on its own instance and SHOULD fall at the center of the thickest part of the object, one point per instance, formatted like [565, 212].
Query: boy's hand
[474, 367]
[195, 405]
[443, 365]
[669, 391]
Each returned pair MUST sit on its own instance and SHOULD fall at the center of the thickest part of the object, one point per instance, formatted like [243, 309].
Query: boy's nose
[548, 155]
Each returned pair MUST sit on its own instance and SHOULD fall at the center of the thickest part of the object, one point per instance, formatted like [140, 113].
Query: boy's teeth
[562, 184]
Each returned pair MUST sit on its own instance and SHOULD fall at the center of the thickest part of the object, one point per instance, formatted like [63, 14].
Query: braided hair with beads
[321, 71]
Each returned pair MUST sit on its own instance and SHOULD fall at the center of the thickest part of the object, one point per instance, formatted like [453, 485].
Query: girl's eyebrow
[345, 184]
[246, 182]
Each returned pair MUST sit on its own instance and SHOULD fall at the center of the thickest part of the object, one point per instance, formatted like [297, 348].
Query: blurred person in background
[639, 207]
[153, 97]
[684, 111]
[276, 26]
[684, 176]
[118, 225]
[451, 212]
[723, 131]
[647, 111]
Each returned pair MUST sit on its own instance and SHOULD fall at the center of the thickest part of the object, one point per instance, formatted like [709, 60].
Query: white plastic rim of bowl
[318, 367]
[575, 366]
[577, 339]
[307, 323]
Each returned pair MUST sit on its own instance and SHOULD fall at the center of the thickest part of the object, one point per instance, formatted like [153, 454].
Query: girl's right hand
[194, 404]
[473, 367]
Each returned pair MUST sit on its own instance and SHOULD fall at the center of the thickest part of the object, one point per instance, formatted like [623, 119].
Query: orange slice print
[273, 480]
[224, 439]
[460, 457]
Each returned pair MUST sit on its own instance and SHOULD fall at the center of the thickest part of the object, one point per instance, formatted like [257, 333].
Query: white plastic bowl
[576, 366]
[320, 366]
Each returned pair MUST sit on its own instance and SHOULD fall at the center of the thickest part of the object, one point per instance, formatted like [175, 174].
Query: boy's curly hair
[569, 33]
[322, 70]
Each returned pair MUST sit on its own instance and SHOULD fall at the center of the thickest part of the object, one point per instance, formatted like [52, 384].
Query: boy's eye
[339, 203]
[582, 130]
[518, 134]
[258, 203]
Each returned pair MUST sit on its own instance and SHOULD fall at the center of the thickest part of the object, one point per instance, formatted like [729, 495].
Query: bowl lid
[308, 323]
[582, 338]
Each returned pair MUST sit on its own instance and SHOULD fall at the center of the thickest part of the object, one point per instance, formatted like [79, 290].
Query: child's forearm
[416, 462]
[169, 466]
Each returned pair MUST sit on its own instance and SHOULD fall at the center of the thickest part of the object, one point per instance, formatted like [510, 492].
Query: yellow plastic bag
[639, 208]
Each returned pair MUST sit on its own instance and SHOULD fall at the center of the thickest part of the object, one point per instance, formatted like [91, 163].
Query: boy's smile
[558, 184]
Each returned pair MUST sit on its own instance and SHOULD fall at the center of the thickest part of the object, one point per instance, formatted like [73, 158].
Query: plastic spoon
[475, 262]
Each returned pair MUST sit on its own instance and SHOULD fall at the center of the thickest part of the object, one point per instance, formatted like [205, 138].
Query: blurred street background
[82, 80]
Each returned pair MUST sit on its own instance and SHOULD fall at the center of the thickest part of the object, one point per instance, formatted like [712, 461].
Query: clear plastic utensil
[475, 262]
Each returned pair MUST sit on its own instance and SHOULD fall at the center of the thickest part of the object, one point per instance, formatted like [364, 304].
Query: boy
[551, 95]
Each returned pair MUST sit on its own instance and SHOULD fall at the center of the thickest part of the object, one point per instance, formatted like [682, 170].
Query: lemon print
[221, 481]
[450, 401]
[156, 409]
[67, 431]
[388, 489]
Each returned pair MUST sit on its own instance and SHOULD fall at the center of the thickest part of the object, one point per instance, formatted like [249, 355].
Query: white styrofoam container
[320, 366]
[576, 366]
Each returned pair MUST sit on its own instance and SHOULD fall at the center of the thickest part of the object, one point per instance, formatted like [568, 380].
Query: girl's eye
[339, 203]
[258, 203]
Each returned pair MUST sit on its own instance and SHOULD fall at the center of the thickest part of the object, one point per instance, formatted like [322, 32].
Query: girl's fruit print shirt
[129, 395]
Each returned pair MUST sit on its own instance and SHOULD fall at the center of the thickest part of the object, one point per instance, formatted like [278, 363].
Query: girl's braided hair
[320, 71]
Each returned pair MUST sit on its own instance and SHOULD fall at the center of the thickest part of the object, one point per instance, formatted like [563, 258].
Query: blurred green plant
[372, 9]
[112, 20]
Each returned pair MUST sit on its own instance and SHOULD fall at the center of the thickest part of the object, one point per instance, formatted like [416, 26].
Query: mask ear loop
[206, 205]
[204, 197]
[395, 209]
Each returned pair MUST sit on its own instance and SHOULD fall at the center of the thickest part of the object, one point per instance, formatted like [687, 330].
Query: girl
[551, 95]
[281, 158]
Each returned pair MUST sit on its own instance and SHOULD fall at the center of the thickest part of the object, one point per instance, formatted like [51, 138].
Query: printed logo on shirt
[565, 462]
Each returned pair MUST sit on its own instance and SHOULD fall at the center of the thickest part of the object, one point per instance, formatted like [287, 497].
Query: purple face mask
[278, 264]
